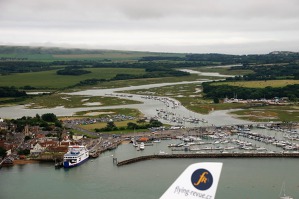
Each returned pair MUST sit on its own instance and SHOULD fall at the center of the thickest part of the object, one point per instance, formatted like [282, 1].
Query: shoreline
[22, 162]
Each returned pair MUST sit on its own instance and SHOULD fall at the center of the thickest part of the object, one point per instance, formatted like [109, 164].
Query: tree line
[223, 91]
[6, 91]
[267, 72]
[73, 70]
[8, 67]
[271, 58]
[47, 121]
[274, 57]
[187, 60]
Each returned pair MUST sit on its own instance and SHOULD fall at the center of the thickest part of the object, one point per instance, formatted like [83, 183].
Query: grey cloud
[205, 8]
[181, 20]
[142, 9]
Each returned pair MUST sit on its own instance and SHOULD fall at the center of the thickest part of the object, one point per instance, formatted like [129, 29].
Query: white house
[77, 137]
[37, 149]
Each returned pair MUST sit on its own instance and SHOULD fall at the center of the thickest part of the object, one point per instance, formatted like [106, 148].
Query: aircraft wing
[199, 180]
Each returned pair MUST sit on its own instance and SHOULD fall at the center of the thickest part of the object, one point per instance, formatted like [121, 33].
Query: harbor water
[244, 178]
[101, 179]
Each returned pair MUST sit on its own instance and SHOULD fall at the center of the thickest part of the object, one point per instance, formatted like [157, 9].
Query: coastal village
[34, 144]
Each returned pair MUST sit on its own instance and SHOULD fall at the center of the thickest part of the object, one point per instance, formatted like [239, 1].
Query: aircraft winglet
[199, 180]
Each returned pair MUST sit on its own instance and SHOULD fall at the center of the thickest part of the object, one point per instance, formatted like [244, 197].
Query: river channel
[148, 107]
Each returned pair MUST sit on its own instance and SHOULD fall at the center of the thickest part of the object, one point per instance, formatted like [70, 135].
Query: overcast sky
[197, 26]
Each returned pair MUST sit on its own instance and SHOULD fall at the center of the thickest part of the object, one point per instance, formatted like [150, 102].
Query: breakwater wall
[210, 155]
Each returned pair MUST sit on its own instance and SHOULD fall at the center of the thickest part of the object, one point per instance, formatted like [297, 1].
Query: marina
[256, 159]
[213, 142]
[247, 177]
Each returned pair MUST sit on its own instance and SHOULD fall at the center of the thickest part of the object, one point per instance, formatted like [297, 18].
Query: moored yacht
[142, 146]
[157, 141]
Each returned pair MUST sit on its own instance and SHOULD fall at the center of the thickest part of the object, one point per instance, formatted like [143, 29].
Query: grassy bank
[70, 101]
[106, 112]
[259, 84]
[270, 113]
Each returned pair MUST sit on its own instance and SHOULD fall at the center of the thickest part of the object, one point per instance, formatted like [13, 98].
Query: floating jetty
[210, 155]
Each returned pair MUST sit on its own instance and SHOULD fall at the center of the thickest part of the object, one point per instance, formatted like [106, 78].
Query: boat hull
[66, 164]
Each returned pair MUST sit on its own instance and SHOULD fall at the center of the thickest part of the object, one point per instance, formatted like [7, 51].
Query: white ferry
[76, 155]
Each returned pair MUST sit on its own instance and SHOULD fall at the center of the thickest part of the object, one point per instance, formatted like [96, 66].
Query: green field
[259, 84]
[137, 82]
[91, 127]
[50, 80]
[31, 57]
[112, 55]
